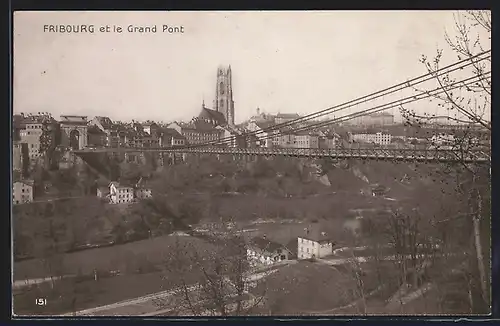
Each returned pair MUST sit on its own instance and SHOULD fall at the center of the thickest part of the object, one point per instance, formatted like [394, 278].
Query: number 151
[41, 302]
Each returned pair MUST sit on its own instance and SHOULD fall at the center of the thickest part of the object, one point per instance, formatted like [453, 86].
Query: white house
[376, 138]
[261, 132]
[267, 252]
[314, 244]
[120, 194]
[22, 192]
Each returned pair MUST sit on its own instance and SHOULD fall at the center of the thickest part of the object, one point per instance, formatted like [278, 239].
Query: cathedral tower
[224, 94]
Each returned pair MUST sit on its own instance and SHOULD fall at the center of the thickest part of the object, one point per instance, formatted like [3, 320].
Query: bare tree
[210, 277]
[468, 104]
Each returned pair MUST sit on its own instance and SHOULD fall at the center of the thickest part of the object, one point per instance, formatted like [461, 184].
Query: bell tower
[224, 94]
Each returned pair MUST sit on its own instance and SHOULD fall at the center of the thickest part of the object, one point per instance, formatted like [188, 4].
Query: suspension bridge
[457, 154]
[419, 155]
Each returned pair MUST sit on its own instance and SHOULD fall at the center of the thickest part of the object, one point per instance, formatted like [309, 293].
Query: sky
[298, 62]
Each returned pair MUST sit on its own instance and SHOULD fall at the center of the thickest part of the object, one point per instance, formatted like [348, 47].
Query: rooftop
[105, 122]
[288, 115]
[314, 232]
[95, 130]
[210, 114]
[265, 244]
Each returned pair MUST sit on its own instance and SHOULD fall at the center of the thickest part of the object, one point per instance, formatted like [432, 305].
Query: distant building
[261, 130]
[285, 117]
[443, 139]
[373, 120]
[22, 192]
[231, 137]
[172, 138]
[30, 134]
[306, 140]
[120, 194]
[266, 252]
[197, 131]
[105, 124]
[20, 156]
[74, 131]
[262, 117]
[376, 138]
[142, 190]
[213, 117]
[314, 244]
[329, 139]
[224, 102]
[296, 139]
[96, 137]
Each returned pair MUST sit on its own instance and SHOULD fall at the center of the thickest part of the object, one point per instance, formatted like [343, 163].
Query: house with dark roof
[314, 243]
[197, 131]
[96, 137]
[264, 251]
[142, 190]
[214, 117]
[171, 137]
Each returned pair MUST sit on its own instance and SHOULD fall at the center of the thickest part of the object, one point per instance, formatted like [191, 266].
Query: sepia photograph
[251, 163]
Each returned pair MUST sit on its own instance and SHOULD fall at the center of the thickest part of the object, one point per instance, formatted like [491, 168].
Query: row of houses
[313, 244]
[22, 192]
[116, 193]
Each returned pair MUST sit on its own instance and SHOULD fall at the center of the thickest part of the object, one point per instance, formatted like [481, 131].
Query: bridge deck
[436, 155]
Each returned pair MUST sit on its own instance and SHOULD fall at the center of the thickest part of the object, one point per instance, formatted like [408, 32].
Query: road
[148, 305]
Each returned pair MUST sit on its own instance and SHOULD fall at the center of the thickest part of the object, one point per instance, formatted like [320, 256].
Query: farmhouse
[120, 194]
[314, 244]
[266, 252]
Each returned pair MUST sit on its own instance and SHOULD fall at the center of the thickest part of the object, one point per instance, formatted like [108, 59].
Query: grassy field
[304, 286]
[91, 293]
[127, 257]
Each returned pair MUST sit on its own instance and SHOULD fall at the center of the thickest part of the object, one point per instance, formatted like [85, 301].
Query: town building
[30, 132]
[443, 139]
[373, 120]
[262, 117]
[305, 139]
[142, 190]
[285, 117]
[296, 139]
[197, 131]
[151, 128]
[171, 138]
[96, 137]
[224, 102]
[261, 130]
[375, 138]
[231, 137]
[22, 192]
[212, 117]
[74, 131]
[106, 125]
[20, 156]
[264, 251]
[314, 243]
[119, 194]
[329, 139]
